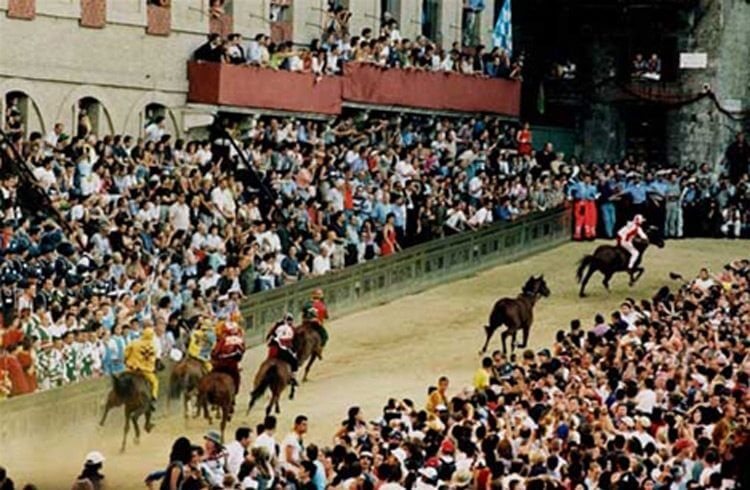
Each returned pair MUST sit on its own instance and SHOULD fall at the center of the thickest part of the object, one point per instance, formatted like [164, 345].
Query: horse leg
[638, 273]
[584, 281]
[525, 336]
[149, 426]
[307, 369]
[291, 391]
[107, 406]
[513, 344]
[504, 336]
[137, 438]
[605, 282]
[125, 431]
[278, 408]
[488, 332]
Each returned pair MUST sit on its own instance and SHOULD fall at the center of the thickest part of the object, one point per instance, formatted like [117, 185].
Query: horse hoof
[149, 427]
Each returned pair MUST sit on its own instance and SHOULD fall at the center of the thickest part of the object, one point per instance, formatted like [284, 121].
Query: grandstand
[185, 181]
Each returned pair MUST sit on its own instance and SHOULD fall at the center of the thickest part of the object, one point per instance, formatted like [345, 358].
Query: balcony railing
[263, 88]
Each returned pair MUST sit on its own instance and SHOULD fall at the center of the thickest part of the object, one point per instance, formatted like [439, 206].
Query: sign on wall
[693, 61]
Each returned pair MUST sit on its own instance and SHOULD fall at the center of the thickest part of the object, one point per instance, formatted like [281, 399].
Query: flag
[502, 36]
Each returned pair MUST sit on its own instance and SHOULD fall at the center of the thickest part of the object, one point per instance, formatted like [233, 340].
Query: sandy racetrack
[397, 349]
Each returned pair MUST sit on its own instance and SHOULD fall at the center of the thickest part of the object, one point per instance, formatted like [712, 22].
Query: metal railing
[386, 278]
[354, 288]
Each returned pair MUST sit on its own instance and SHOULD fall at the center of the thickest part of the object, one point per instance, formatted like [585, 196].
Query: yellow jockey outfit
[202, 342]
[140, 357]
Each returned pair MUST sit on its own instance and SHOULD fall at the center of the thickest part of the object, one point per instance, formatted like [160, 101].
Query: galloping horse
[184, 379]
[609, 259]
[308, 344]
[275, 374]
[133, 391]
[216, 389]
[516, 313]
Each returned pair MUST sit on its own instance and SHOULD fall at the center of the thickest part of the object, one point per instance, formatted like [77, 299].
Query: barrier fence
[355, 288]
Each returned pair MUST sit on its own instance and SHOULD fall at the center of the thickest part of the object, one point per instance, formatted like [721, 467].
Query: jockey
[140, 358]
[228, 351]
[626, 235]
[319, 313]
[202, 342]
[281, 342]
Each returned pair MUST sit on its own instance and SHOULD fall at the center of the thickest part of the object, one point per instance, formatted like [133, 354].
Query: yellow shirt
[481, 379]
[434, 400]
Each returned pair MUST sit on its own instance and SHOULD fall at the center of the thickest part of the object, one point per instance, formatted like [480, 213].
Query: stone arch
[68, 110]
[137, 115]
[31, 114]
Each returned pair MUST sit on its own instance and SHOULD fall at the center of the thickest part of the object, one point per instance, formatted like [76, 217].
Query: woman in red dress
[524, 139]
[390, 244]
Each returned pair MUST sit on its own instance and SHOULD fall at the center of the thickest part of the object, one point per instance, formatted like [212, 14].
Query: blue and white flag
[502, 36]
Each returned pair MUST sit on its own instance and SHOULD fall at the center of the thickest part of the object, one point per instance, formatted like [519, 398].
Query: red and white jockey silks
[627, 234]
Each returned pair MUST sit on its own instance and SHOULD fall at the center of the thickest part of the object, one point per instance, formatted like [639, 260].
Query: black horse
[609, 259]
[516, 313]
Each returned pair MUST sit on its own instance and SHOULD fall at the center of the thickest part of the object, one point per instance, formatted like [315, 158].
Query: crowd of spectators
[388, 49]
[163, 231]
[654, 397]
[690, 201]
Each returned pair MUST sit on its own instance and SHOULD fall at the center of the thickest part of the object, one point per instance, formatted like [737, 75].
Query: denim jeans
[608, 218]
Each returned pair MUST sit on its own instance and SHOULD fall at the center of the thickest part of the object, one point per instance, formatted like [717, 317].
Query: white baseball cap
[94, 457]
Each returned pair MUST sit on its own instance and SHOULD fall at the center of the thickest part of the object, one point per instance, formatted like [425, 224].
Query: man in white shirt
[179, 214]
[291, 447]
[237, 449]
[223, 200]
[483, 216]
[155, 130]
[51, 139]
[266, 439]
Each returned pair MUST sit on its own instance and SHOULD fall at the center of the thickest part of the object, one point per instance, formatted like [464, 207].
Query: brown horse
[609, 259]
[133, 391]
[275, 374]
[308, 345]
[184, 379]
[216, 389]
[516, 313]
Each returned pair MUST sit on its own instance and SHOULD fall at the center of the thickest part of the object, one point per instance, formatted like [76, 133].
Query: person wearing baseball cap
[91, 476]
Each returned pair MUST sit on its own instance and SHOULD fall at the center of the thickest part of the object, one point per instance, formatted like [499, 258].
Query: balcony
[361, 84]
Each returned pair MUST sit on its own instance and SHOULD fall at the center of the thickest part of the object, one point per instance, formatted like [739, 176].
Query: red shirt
[322, 310]
[18, 381]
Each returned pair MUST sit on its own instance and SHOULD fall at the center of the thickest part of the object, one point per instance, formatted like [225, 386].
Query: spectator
[91, 477]
[212, 51]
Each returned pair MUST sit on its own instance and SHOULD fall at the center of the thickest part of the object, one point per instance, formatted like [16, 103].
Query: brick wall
[94, 13]
[22, 9]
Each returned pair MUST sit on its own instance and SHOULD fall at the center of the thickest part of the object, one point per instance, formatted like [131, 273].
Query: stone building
[124, 61]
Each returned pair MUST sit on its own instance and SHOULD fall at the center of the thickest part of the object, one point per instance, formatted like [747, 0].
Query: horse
[516, 313]
[609, 259]
[133, 391]
[216, 389]
[184, 379]
[275, 374]
[308, 345]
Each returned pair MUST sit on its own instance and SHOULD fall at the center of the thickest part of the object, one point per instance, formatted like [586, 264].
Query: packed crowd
[327, 56]
[654, 397]
[695, 200]
[163, 231]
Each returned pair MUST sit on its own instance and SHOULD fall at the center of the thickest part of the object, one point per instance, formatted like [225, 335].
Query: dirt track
[397, 349]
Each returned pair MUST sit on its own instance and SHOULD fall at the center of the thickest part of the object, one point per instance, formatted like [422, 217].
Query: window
[393, 8]
[431, 20]
[471, 23]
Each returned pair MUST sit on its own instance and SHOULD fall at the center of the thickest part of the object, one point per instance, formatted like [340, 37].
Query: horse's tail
[585, 262]
[175, 385]
[263, 380]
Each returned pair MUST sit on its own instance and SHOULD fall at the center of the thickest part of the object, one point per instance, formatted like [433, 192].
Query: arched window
[91, 117]
[21, 115]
